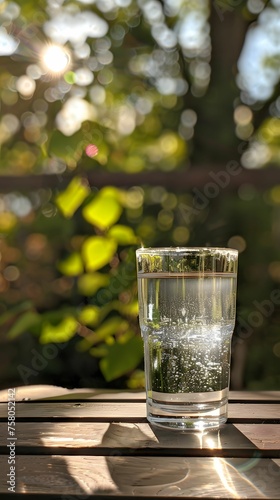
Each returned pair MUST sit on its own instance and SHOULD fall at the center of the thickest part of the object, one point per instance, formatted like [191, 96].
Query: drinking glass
[187, 300]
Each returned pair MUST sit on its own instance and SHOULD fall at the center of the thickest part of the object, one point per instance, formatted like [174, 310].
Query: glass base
[191, 416]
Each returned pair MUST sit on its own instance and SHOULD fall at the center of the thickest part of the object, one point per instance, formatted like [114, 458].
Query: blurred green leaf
[124, 235]
[76, 192]
[55, 316]
[111, 326]
[66, 147]
[136, 380]
[100, 351]
[72, 265]
[88, 284]
[89, 315]
[122, 358]
[14, 311]
[24, 323]
[103, 211]
[97, 251]
[131, 309]
[112, 192]
[62, 332]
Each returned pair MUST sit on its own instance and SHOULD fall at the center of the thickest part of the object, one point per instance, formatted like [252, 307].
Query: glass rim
[186, 250]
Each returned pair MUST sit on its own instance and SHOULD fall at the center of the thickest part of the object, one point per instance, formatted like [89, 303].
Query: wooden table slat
[97, 444]
[122, 435]
[148, 476]
[263, 436]
[35, 392]
[103, 411]
[48, 392]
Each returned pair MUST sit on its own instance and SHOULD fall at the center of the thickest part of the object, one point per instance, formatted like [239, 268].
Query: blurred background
[127, 123]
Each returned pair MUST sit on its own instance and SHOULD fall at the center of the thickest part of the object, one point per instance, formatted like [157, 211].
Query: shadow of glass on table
[195, 465]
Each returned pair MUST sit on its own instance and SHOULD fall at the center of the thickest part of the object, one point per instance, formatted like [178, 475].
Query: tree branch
[179, 181]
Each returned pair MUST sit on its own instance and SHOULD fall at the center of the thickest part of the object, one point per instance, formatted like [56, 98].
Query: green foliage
[97, 251]
[66, 147]
[121, 357]
[123, 235]
[69, 200]
[103, 211]
[113, 326]
[89, 284]
[89, 315]
[72, 265]
[24, 323]
[13, 312]
[62, 332]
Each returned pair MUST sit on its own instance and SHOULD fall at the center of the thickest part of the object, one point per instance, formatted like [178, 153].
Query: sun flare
[56, 58]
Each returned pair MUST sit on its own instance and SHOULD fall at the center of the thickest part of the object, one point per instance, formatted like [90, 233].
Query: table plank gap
[132, 420]
[131, 401]
[78, 401]
[145, 452]
[82, 496]
[255, 401]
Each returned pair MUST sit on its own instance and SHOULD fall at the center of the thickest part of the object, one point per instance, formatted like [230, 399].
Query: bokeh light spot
[238, 243]
[134, 197]
[276, 349]
[181, 234]
[189, 118]
[11, 273]
[49, 210]
[275, 195]
[247, 192]
[165, 219]
[91, 150]
[169, 144]
[84, 77]
[25, 86]
[169, 201]
[274, 270]
[70, 77]
[35, 246]
[242, 115]
[7, 221]
[8, 44]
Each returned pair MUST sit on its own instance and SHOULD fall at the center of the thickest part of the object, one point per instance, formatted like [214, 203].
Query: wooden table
[84, 443]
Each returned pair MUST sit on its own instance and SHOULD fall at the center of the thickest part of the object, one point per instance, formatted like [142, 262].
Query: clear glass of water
[187, 300]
